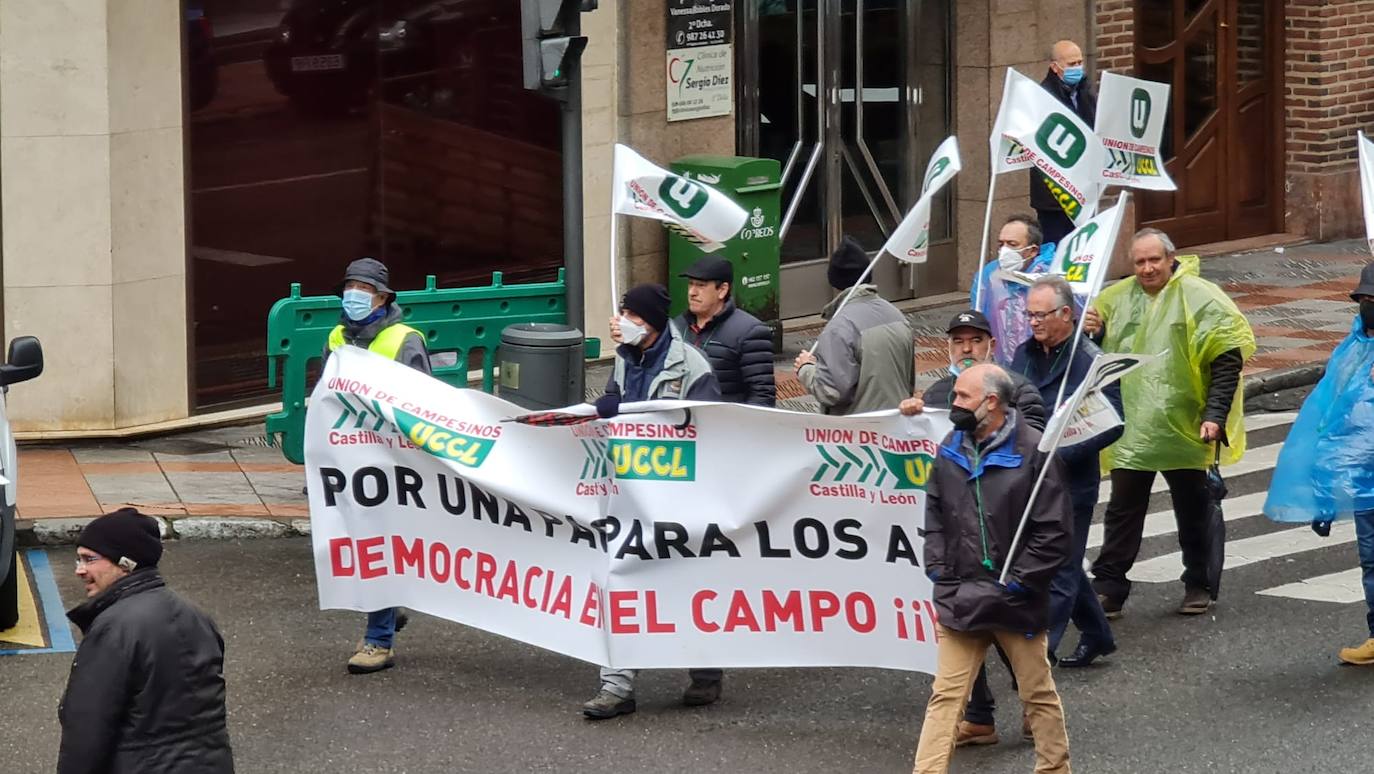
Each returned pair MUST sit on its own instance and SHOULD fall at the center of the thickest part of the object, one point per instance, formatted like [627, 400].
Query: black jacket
[997, 483]
[740, 350]
[1028, 402]
[1040, 196]
[1046, 370]
[146, 691]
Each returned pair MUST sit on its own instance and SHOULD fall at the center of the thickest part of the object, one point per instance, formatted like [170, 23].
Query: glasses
[83, 561]
[1040, 316]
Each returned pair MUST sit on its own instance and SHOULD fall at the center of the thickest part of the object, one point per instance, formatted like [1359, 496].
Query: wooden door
[1223, 142]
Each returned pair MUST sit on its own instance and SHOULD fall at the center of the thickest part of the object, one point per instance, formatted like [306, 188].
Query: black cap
[847, 264]
[970, 318]
[1366, 286]
[650, 302]
[711, 269]
[369, 270]
[125, 537]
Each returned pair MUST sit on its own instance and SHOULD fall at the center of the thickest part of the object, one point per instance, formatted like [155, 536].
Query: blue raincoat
[1004, 303]
[1325, 470]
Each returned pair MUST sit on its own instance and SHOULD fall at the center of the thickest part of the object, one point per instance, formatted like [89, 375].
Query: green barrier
[459, 321]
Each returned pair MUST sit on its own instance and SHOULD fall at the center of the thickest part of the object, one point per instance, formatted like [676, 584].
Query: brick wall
[1114, 31]
[1329, 81]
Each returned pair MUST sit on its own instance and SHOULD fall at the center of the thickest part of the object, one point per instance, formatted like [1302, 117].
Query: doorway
[1223, 141]
[852, 97]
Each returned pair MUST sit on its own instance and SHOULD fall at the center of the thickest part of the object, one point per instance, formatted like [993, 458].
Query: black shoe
[1111, 606]
[701, 692]
[1086, 652]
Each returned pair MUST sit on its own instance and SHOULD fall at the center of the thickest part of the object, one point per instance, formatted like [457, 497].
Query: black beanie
[847, 264]
[650, 302]
[124, 534]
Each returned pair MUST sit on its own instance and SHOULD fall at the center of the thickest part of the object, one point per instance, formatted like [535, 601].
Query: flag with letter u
[700, 213]
[1057, 142]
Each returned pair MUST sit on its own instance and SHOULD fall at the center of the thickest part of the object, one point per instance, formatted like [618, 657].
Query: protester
[1045, 361]
[1324, 471]
[1181, 407]
[865, 359]
[146, 690]
[1067, 82]
[738, 346]
[1002, 299]
[983, 476]
[371, 319]
[652, 362]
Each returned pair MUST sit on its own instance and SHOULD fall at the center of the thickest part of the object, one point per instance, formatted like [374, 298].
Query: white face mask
[1009, 259]
[631, 332]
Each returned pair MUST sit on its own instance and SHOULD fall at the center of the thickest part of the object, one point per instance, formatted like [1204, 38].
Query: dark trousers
[1125, 521]
[1054, 224]
[982, 705]
[1071, 593]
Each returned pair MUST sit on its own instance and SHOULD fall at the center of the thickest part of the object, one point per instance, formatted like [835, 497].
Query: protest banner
[675, 535]
[700, 213]
[910, 241]
[1130, 122]
[1366, 153]
[1059, 144]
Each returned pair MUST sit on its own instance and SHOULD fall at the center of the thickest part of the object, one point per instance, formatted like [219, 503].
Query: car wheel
[9, 596]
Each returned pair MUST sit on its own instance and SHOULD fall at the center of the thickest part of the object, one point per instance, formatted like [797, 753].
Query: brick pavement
[1297, 299]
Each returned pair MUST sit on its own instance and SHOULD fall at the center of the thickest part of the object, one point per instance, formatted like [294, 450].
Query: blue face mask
[357, 304]
[1072, 75]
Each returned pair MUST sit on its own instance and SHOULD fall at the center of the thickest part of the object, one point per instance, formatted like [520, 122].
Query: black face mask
[1367, 313]
[965, 419]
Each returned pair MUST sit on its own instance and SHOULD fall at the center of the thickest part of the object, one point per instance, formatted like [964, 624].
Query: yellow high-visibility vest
[388, 341]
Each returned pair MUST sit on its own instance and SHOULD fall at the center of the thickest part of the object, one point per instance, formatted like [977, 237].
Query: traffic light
[551, 42]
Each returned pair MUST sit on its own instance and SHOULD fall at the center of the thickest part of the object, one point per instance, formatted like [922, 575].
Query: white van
[24, 362]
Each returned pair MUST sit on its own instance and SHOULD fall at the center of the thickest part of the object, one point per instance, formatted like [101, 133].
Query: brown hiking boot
[1195, 602]
[975, 734]
[606, 705]
[371, 658]
[701, 692]
[1359, 656]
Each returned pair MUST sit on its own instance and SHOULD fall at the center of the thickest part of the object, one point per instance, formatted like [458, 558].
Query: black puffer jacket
[146, 691]
[740, 349]
[1028, 401]
[1040, 196]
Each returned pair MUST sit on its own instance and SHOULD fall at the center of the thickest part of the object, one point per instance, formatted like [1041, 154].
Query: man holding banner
[1047, 362]
[1180, 405]
[1067, 83]
[980, 487]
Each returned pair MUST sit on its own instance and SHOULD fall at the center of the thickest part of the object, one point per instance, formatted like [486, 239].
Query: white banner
[1007, 154]
[910, 241]
[1092, 414]
[675, 535]
[700, 213]
[1130, 121]
[1058, 142]
[1367, 185]
[1085, 254]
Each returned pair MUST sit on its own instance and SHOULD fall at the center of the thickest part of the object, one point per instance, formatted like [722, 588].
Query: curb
[40, 533]
[1286, 379]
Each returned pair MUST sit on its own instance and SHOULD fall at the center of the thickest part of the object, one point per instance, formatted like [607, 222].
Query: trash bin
[755, 252]
[541, 365]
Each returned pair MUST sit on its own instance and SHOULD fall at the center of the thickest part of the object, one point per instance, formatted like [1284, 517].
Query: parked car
[324, 55]
[24, 362]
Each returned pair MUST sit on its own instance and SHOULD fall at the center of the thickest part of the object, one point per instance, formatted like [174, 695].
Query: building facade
[169, 167]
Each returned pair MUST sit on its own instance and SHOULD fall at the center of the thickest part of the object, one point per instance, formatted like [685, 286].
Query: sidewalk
[227, 483]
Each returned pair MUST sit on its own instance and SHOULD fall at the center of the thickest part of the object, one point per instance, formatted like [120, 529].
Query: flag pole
[615, 263]
[983, 249]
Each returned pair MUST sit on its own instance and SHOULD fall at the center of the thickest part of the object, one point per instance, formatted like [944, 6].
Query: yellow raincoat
[1195, 321]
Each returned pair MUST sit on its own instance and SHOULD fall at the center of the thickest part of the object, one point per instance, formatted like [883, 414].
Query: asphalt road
[1254, 687]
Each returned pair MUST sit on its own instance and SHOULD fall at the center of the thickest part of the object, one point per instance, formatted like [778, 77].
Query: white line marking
[1166, 568]
[1163, 523]
[1255, 460]
[1341, 587]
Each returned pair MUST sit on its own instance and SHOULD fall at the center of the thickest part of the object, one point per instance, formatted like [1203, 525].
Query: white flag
[1085, 254]
[1007, 155]
[910, 241]
[1058, 142]
[1130, 121]
[702, 214]
[1088, 414]
[1367, 185]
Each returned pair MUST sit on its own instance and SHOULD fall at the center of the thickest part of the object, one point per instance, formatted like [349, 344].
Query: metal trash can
[541, 365]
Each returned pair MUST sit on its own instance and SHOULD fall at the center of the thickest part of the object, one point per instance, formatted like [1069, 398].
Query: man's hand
[615, 331]
[1211, 432]
[805, 358]
[911, 406]
[1092, 322]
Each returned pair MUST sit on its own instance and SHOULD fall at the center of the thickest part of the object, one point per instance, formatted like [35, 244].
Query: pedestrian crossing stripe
[1342, 587]
[1239, 553]
[42, 618]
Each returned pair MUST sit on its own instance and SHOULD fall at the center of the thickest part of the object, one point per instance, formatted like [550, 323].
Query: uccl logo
[468, 450]
[1061, 140]
[654, 460]
[861, 465]
[682, 196]
[1079, 242]
[1140, 112]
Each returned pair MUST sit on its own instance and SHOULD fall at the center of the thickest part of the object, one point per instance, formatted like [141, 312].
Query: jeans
[960, 653]
[1125, 522]
[381, 627]
[621, 682]
[1071, 593]
[1364, 538]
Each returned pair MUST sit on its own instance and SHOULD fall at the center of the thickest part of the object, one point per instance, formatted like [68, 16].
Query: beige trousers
[960, 654]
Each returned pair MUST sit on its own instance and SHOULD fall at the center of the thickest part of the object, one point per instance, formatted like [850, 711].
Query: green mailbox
[755, 251]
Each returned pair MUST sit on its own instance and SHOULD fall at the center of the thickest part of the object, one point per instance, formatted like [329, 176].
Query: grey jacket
[684, 373]
[865, 357]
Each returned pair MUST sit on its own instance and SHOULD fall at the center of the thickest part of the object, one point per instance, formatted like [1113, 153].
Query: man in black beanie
[652, 362]
[865, 358]
[146, 690]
